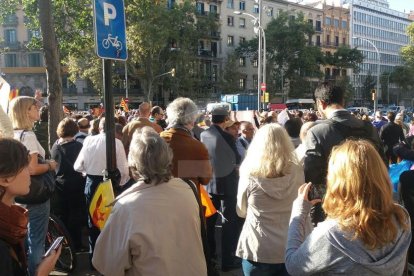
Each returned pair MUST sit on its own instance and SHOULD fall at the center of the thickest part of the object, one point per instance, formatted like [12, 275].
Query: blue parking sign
[110, 34]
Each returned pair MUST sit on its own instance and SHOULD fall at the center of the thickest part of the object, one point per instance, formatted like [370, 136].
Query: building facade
[374, 22]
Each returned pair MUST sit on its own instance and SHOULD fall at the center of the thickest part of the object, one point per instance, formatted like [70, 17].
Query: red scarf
[13, 229]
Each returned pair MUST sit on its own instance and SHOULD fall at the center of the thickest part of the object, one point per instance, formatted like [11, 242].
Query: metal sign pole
[109, 117]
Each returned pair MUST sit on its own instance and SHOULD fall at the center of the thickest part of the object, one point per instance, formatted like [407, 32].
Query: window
[336, 40]
[310, 22]
[242, 40]
[255, 63]
[344, 24]
[230, 4]
[200, 8]
[10, 60]
[214, 73]
[242, 6]
[230, 21]
[242, 23]
[34, 60]
[344, 40]
[318, 26]
[242, 61]
[318, 40]
[327, 21]
[213, 9]
[336, 23]
[170, 4]
[33, 33]
[255, 8]
[10, 36]
[269, 12]
[242, 83]
[230, 40]
[255, 81]
[328, 40]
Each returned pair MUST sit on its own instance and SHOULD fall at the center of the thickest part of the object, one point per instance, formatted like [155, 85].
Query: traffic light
[374, 94]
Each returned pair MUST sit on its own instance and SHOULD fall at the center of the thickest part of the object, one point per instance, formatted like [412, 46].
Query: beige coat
[152, 230]
[266, 203]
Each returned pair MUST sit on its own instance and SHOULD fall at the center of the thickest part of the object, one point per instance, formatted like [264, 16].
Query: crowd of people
[297, 193]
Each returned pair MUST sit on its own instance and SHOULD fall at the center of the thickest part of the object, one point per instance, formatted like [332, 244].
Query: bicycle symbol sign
[110, 35]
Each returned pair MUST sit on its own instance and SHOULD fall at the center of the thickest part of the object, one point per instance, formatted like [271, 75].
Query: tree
[229, 77]
[288, 52]
[367, 86]
[345, 57]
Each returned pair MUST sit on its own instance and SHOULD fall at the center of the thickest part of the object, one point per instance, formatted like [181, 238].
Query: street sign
[263, 86]
[110, 34]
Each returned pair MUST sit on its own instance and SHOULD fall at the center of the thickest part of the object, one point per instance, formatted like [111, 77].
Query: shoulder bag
[42, 186]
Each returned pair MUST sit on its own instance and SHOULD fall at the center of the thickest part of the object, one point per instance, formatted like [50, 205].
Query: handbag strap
[202, 220]
[21, 135]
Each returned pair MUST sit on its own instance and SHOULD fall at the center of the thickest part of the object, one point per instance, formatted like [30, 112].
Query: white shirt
[29, 140]
[92, 158]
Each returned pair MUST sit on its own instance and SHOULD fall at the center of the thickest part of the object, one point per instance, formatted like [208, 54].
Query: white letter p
[109, 12]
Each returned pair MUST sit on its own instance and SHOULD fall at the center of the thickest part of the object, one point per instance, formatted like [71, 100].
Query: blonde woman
[23, 112]
[269, 178]
[365, 232]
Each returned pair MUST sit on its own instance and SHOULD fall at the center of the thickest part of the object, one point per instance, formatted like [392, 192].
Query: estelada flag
[124, 105]
[13, 93]
[100, 207]
[207, 203]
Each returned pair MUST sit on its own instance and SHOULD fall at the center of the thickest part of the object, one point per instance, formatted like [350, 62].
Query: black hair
[329, 93]
[292, 127]
[391, 116]
[218, 119]
[44, 110]
[11, 149]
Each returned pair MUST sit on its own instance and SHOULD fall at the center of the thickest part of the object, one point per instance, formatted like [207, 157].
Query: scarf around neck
[13, 229]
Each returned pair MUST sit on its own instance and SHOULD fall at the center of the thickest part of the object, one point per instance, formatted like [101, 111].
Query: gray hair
[182, 111]
[150, 157]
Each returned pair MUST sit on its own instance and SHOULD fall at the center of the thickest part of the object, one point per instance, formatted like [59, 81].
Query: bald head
[144, 109]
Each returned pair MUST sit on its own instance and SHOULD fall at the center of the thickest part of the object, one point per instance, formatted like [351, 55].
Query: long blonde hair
[270, 153]
[359, 194]
[18, 112]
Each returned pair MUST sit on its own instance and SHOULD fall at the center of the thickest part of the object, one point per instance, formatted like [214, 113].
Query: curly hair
[359, 195]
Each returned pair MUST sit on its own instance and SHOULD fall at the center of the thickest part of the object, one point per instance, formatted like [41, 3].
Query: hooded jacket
[329, 251]
[266, 203]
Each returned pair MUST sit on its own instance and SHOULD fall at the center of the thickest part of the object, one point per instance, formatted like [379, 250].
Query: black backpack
[366, 132]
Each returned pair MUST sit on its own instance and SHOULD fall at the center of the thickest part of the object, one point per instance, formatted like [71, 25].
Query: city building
[373, 22]
[236, 29]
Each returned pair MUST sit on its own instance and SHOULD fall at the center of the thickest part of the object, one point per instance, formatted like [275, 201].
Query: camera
[316, 192]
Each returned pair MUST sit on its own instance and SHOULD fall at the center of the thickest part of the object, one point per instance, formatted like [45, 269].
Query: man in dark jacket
[321, 138]
[225, 161]
[391, 134]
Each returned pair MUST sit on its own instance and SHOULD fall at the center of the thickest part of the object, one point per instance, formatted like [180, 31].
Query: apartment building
[238, 28]
[335, 29]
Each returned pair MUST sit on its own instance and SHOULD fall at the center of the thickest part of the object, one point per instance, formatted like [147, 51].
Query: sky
[400, 5]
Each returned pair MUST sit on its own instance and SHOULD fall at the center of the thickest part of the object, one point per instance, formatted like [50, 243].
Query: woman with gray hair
[191, 159]
[141, 234]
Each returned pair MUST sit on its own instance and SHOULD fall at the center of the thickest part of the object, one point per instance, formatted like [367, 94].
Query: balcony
[207, 13]
[11, 45]
[318, 29]
[70, 91]
[206, 53]
[215, 35]
[10, 21]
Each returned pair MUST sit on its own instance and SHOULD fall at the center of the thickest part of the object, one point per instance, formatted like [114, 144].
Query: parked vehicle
[212, 106]
[241, 102]
[360, 109]
[300, 104]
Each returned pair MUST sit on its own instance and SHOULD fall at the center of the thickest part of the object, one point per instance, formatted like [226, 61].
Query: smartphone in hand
[55, 245]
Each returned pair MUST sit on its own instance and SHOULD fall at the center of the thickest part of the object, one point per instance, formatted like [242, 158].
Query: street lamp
[378, 69]
[261, 66]
[171, 72]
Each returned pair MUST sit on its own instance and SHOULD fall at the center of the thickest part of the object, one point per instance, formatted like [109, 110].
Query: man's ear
[323, 104]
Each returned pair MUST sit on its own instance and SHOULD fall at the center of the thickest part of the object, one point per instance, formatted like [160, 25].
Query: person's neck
[8, 199]
[245, 138]
[331, 109]
[221, 125]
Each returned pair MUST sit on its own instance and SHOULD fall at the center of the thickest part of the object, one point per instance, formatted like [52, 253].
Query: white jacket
[266, 203]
